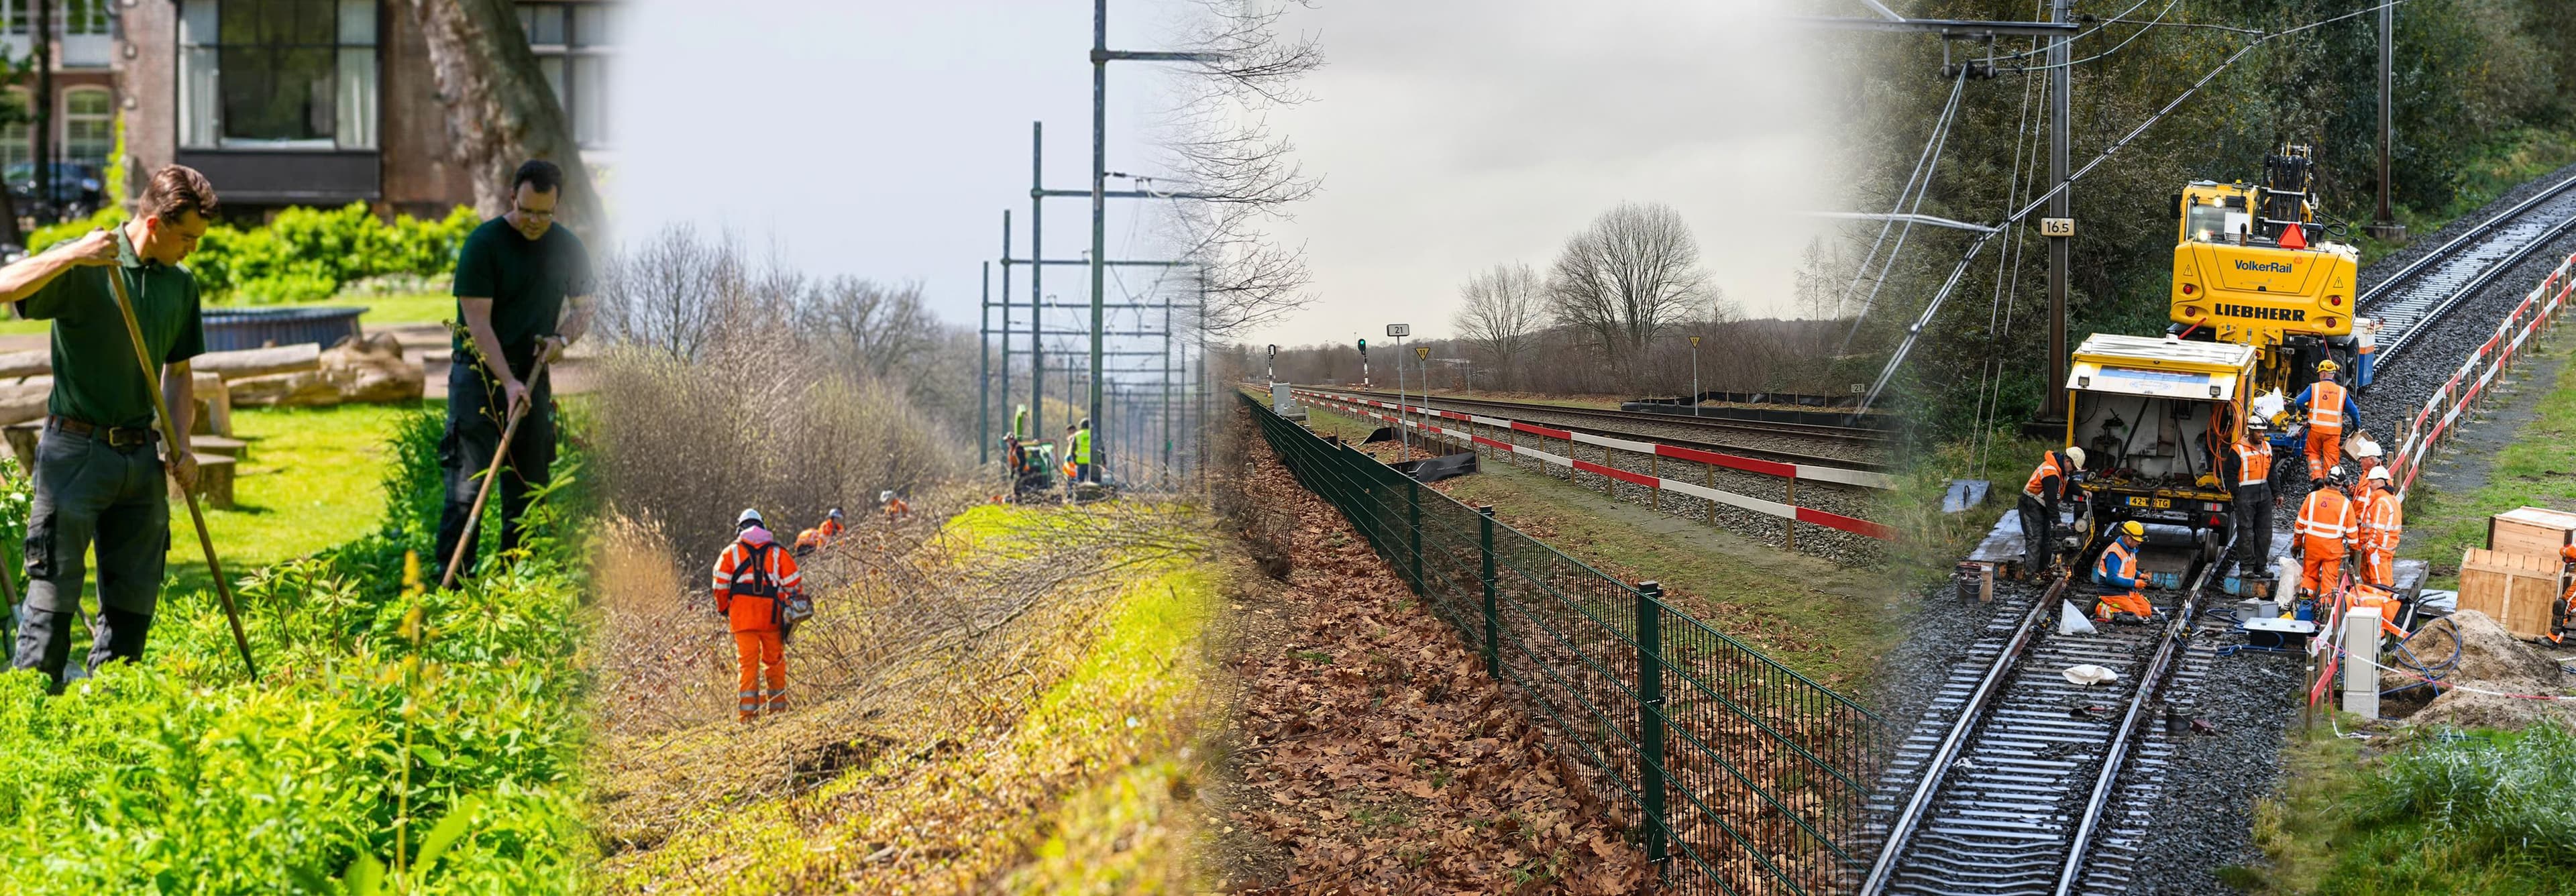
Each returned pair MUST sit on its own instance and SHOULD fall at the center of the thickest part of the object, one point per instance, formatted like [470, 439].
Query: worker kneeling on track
[753, 579]
[2119, 578]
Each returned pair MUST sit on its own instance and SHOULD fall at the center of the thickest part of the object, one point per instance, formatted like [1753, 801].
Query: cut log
[32, 362]
[306, 388]
[374, 371]
[252, 362]
[210, 446]
[214, 406]
[24, 400]
[214, 481]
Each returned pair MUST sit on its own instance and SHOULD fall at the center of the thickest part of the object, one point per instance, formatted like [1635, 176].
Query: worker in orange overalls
[2564, 621]
[2330, 411]
[808, 541]
[751, 578]
[2324, 531]
[2383, 523]
[2053, 480]
[2120, 578]
[831, 527]
[895, 508]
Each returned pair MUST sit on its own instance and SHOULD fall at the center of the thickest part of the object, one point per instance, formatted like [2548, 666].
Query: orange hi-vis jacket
[2048, 467]
[2325, 406]
[2383, 522]
[809, 540]
[830, 528]
[2254, 460]
[748, 592]
[2325, 524]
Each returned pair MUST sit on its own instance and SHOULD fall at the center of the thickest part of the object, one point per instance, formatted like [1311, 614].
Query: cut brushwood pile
[1375, 755]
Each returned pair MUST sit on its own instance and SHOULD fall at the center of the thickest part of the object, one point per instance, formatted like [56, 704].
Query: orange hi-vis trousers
[2130, 602]
[2320, 572]
[2325, 449]
[2378, 568]
[752, 651]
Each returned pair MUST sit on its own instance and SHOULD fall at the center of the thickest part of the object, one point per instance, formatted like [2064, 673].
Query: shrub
[303, 254]
[458, 710]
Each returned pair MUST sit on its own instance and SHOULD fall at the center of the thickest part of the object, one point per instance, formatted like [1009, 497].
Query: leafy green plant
[302, 254]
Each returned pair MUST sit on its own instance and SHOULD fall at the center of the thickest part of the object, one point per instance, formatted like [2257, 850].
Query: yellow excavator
[2252, 266]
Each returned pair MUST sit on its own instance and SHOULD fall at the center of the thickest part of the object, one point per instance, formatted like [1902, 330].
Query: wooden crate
[2516, 590]
[2534, 531]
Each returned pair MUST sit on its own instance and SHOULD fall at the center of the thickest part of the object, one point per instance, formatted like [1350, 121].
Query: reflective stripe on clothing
[2254, 460]
[2383, 522]
[2039, 478]
[2325, 521]
[2325, 406]
[2118, 567]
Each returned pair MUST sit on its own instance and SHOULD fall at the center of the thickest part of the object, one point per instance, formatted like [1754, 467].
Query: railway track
[1850, 435]
[2004, 786]
[1517, 410]
[2420, 293]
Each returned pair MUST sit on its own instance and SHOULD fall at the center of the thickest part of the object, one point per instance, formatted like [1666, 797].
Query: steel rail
[1772, 454]
[2150, 682]
[1844, 434]
[2406, 277]
[1938, 767]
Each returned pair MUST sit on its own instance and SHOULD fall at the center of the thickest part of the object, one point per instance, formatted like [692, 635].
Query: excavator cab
[2252, 266]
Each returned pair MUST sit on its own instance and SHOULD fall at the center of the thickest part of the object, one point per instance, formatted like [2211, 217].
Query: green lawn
[413, 308]
[2534, 468]
[311, 479]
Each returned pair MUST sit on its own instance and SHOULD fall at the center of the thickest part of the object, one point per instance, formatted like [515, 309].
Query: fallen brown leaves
[1378, 756]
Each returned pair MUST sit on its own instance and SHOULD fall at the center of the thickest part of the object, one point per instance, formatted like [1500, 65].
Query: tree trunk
[500, 111]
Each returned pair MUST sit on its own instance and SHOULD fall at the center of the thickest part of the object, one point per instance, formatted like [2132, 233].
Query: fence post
[1789, 536]
[1650, 718]
[1493, 624]
[1413, 521]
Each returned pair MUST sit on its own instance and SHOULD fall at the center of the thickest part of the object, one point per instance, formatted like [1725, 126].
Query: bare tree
[1505, 308]
[500, 110]
[672, 293]
[883, 331]
[1218, 144]
[1623, 279]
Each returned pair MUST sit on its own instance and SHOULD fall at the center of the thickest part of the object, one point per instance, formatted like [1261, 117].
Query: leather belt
[114, 436]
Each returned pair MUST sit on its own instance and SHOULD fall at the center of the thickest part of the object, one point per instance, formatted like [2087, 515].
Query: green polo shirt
[96, 377]
[527, 281]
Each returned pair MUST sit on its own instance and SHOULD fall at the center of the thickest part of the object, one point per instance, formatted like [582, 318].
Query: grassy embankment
[2484, 814]
[1072, 774]
[1815, 617]
[2533, 467]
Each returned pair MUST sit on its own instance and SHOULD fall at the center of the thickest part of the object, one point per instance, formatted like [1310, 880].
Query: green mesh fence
[1737, 774]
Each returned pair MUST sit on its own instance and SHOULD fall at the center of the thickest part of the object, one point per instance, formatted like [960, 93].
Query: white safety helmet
[749, 517]
[835, 514]
[2379, 474]
[885, 496]
[2075, 454]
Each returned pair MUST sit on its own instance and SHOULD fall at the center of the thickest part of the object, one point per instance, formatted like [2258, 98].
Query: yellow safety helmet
[2328, 366]
[2133, 529]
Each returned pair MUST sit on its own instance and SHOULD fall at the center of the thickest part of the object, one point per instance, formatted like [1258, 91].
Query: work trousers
[2253, 511]
[2320, 572]
[86, 491]
[2035, 524]
[2378, 568]
[476, 414]
[752, 651]
[2325, 449]
[2122, 600]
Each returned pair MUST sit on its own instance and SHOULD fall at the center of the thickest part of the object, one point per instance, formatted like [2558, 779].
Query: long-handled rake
[501, 452]
[171, 436]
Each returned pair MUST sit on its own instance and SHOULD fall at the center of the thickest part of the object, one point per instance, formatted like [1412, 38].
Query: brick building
[296, 102]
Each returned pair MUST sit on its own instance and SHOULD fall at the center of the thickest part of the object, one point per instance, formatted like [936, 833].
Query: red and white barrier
[1779, 509]
[2451, 402]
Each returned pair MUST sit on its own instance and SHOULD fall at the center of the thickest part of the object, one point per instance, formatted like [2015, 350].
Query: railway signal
[1694, 376]
[1403, 433]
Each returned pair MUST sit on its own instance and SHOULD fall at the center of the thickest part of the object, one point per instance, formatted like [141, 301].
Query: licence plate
[2157, 503]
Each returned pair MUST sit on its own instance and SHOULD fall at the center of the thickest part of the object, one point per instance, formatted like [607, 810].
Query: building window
[17, 139]
[277, 74]
[70, 16]
[572, 42]
[89, 125]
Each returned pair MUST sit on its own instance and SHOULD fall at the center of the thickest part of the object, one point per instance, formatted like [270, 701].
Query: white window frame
[356, 120]
[566, 56]
[107, 120]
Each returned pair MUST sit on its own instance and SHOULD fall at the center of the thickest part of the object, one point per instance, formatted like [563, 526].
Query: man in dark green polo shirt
[514, 277]
[98, 471]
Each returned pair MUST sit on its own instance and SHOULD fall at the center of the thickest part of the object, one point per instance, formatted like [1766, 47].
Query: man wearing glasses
[513, 279]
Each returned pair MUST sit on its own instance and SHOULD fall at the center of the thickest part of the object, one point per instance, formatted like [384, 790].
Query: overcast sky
[883, 139]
